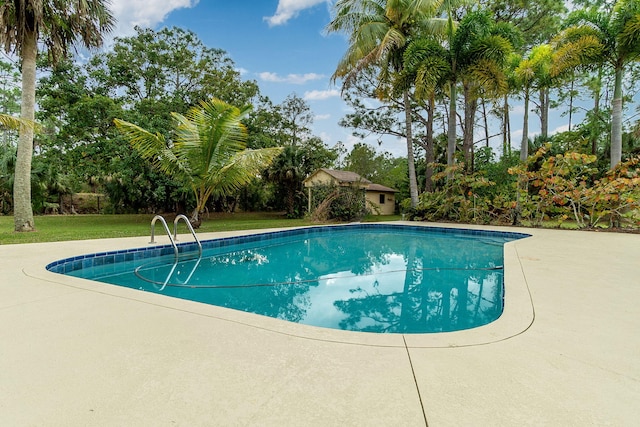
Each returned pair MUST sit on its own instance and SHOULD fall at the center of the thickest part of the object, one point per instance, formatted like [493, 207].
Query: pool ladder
[174, 238]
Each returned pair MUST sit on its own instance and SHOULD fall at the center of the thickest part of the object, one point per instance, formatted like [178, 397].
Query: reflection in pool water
[391, 280]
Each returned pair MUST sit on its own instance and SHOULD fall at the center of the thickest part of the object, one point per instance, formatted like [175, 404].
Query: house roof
[346, 176]
[381, 188]
[349, 177]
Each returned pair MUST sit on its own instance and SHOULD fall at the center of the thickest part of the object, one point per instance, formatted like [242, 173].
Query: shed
[380, 199]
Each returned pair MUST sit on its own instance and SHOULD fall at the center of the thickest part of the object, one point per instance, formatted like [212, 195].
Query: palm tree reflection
[374, 283]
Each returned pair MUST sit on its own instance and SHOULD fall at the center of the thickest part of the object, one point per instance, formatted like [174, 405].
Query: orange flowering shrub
[568, 186]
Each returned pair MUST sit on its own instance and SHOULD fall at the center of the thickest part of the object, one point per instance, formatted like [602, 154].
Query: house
[381, 200]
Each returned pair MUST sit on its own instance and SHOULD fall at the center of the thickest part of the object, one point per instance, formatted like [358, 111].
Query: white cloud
[296, 79]
[516, 136]
[288, 9]
[145, 14]
[326, 138]
[322, 116]
[517, 109]
[315, 95]
[560, 129]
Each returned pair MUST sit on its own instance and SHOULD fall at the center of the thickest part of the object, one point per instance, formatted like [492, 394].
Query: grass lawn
[56, 228]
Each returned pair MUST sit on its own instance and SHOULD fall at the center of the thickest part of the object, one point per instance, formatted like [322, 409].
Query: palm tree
[426, 65]
[378, 33]
[58, 24]
[207, 152]
[473, 54]
[288, 169]
[483, 47]
[609, 37]
[533, 73]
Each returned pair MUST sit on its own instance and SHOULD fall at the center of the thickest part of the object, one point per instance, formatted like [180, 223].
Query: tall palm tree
[483, 49]
[598, 36]
[533, 73]
[472, 54]
[378, 32]
[58, 24]
[207, 152]
[426, 65]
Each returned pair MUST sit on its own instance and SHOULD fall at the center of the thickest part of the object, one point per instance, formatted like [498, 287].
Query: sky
[282, 45]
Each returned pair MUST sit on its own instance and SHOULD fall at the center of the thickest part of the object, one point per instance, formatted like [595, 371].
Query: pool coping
[517, 315]
[77, 352]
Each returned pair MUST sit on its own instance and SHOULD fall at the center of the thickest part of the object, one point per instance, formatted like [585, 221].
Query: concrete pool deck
[566, 351]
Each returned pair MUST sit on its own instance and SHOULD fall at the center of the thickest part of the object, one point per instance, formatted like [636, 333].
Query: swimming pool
[361, 277]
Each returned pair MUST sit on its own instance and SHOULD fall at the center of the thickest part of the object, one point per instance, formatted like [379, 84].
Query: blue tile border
[67, 265]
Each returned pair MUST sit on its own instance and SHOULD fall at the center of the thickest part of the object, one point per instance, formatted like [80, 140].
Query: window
[382, 199]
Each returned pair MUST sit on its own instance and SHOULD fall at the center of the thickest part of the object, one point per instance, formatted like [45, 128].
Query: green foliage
[207, 152]
[565, 186]
[537, 20]
[340, 203]
[462, 197]
[79, 102]
[349, 205]
[9, 87]
[7, 165]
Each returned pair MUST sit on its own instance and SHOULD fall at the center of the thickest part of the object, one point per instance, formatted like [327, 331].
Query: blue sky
[279, 44]
[282, 45]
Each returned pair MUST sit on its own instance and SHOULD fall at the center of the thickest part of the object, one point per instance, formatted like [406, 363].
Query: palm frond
[583, 52]
[629, 38]
[9, 122]
[240, 169]
[490, 76]
[153, 147]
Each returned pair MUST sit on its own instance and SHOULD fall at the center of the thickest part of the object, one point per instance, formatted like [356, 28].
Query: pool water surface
[361, 277]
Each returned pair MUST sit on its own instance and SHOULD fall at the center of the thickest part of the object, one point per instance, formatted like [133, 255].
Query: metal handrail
[173, 269]
[193, 233]
[166, 228]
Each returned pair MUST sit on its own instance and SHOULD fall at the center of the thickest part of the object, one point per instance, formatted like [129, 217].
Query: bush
[338, 203]
[568, 186]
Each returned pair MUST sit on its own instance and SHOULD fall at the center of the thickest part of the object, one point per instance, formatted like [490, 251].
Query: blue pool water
[361, 277]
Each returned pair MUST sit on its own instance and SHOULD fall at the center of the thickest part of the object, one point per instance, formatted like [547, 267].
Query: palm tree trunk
[544, 112]
[573, 79]
[22, 210]
[508, 126]
[616, 120]
[486, 123]
[470, 106]
[595, 121]
[451, 131]
[413, 182]
[524, 145]
[430, 152]
[505, 127]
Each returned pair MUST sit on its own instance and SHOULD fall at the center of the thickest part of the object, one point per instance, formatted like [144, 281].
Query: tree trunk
[486, 123]
[544, 113]
[571, 100]
[451, 130]
[291, 200]
[616, 120]
[413, 182]
[524, 145]
[430, 151]
[22, 210]
[508, 127]
[595, 124]
[470, 106]
[505, 128]
[195, 215]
